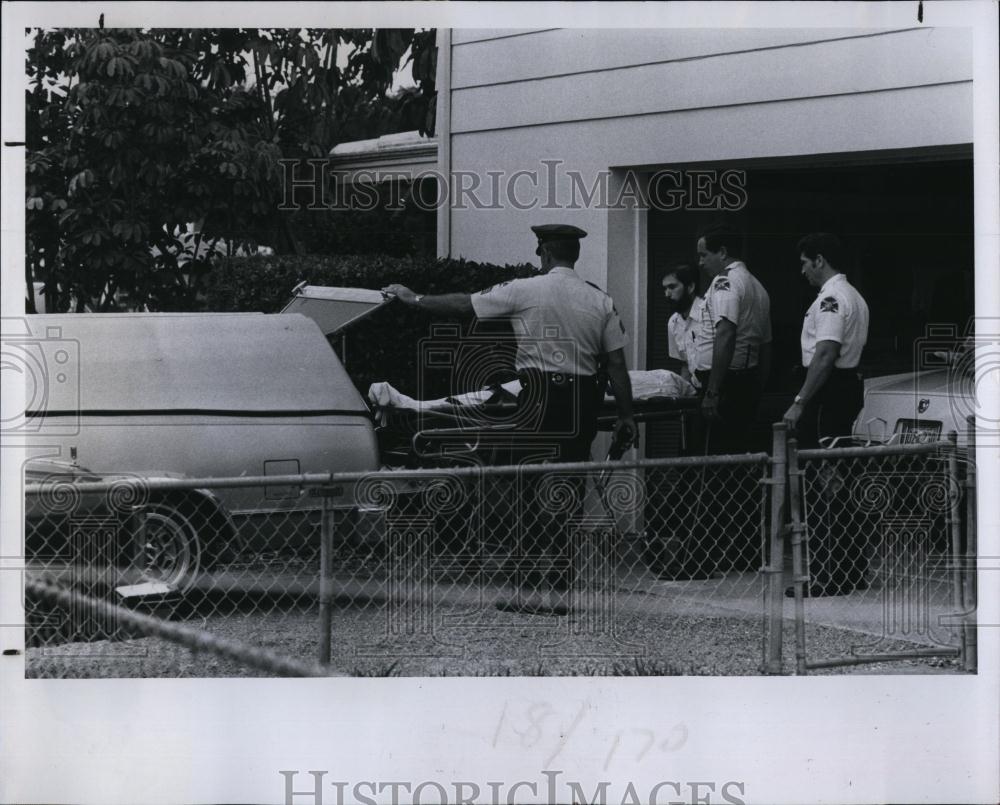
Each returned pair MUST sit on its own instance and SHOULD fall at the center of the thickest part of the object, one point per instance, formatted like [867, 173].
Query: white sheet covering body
[646, 385]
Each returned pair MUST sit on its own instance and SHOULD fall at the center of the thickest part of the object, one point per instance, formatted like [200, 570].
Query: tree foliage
[133, 135]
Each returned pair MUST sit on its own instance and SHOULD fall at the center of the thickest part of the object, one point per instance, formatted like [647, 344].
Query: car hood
[939, 381]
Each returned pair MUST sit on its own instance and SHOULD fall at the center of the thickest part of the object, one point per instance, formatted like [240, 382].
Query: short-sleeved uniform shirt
[562, 323]
[839, 313]
[738, 296]
[688, 340]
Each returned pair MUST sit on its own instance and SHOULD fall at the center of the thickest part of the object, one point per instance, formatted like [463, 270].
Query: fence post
[953, 522]
[798, 531]
[776, 566]
[326, 580]
[971, 637]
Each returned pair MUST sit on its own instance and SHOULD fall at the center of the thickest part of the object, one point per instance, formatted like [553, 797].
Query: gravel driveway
[646, 627]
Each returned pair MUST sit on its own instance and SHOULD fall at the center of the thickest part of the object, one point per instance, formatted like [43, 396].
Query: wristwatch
[417, 298]
[799, 399]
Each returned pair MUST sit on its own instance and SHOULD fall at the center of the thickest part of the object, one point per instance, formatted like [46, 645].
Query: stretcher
[478, 427]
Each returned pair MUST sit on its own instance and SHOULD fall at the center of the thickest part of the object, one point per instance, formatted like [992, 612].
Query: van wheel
[171, 551]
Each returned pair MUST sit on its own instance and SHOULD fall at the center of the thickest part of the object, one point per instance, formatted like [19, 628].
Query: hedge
[388, 345]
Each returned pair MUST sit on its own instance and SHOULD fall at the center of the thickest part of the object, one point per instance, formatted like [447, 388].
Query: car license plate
[918, 431]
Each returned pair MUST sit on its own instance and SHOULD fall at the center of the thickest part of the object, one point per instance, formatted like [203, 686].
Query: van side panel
[215, 447]
[218, 362]
[203, 395]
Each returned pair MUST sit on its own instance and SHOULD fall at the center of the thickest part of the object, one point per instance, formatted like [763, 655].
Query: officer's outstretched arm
[447, 304]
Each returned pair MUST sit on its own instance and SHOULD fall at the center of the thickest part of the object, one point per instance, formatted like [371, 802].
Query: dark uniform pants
[730, 540]
[838, 561]
[738, 400]
[832, 410]
[557, 415]
[701, 524]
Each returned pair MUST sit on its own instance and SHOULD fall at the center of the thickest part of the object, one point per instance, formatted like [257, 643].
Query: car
[202, 395]
[155, 541]
[918, 407]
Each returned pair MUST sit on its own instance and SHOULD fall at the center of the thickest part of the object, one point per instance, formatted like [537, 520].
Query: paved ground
[688, 627]
[919, 613]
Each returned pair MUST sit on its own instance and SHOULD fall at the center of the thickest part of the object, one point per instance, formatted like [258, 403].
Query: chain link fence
[648, 567]
[879, 547]
[172, 551]
[708, 565]
[125, 621]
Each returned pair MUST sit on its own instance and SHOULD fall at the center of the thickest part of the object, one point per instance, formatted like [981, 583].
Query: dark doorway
[908, 230]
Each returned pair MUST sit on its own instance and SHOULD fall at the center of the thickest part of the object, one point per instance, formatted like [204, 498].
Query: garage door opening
[908, 231]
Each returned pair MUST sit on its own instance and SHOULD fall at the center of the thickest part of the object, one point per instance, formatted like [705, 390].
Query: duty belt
[559, 379]
[705, 373]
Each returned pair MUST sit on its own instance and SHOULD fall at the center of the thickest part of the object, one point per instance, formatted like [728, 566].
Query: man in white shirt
[678, 545]
[834, 333]
[738, 313]
[687, 338]
[566, 328]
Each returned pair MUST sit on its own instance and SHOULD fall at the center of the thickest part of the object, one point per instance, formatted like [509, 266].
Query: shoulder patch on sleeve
[829, 304]
[722, 284]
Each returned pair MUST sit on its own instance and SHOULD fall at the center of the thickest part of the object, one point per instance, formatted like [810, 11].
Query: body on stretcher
[479, 424]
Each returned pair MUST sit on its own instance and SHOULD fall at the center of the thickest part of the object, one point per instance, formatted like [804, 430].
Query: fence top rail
[874, 451]
[58, 483]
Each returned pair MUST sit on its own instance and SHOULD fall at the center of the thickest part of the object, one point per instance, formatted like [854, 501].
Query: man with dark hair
[687, 339]
[561, 251]
[566, 329]
[834, 333]
[737, 312]
[678, 546]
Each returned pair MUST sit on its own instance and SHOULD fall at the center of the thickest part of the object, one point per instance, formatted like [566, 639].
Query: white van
[206, 395]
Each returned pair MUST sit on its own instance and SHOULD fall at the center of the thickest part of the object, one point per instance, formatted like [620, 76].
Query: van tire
[172, 551]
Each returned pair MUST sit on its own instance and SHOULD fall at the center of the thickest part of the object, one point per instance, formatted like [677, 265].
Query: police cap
[546, 233]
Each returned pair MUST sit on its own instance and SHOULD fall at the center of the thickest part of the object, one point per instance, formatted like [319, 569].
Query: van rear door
[334, 309]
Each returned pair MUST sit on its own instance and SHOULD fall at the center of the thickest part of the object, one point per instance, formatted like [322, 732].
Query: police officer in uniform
[737, 311]
[833, 335]
[566, 329]
[831, 394]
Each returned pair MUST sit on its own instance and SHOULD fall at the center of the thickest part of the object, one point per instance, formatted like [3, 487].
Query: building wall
[594, 100]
